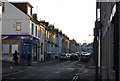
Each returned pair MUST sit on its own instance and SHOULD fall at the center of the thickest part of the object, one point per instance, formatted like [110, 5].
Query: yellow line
[77, 75]
[12, 73]
[75, 78]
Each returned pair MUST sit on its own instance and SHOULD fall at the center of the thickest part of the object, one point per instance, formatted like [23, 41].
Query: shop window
[5, 51]
[18, 26]
[14, 47]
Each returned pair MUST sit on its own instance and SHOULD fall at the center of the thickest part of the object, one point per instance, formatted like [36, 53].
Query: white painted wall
[11, 15]
[41, 33]
[42, 38]
[34, 29]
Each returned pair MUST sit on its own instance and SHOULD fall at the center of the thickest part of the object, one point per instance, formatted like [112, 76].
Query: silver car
[63, 57]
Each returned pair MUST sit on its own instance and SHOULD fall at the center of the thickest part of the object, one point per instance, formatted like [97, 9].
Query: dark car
[74, 57]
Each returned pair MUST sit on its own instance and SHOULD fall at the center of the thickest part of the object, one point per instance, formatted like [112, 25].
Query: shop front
[24, 44]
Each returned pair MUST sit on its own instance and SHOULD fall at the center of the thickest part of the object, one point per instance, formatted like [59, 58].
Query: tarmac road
[62, 70]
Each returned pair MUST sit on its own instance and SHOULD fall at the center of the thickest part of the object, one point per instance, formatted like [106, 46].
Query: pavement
[90, 64]
[8, 67]
[89, 74]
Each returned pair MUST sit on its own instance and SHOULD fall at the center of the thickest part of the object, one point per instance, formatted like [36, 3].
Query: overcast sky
[74, 17]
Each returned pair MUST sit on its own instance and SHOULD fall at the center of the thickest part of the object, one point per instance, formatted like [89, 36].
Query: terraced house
[73, 46]
[58, 42]
[51, 41]
[41, 35]
[65, 44]
[22, 31]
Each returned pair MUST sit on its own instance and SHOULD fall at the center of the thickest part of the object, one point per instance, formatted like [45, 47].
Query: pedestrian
[23, 58]
[29, 59]
[15, 57]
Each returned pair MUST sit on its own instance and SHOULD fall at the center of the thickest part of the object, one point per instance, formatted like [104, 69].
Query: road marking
[75, 78]
[80, 64]
[68, 61]
[56, 72]
[82, 72]
[70, 68]
[74, 61]
[12, 73]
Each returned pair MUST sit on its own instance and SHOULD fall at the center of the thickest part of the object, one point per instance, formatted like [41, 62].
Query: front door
[26, 49]
[34, 53]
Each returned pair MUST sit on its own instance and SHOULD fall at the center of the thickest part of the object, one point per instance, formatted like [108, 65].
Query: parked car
[83, 53]
[68, 56]
[85, 57]
[63, 57]
[74, 57]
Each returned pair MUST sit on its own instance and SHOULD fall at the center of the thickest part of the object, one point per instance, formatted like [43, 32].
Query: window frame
[36, 31]
[18, 24]
[32, 28]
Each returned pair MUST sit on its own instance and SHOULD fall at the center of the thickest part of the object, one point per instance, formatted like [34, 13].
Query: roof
[22, 2]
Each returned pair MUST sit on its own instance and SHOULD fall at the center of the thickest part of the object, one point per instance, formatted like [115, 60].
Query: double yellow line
[12, 73]
[75, 78]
